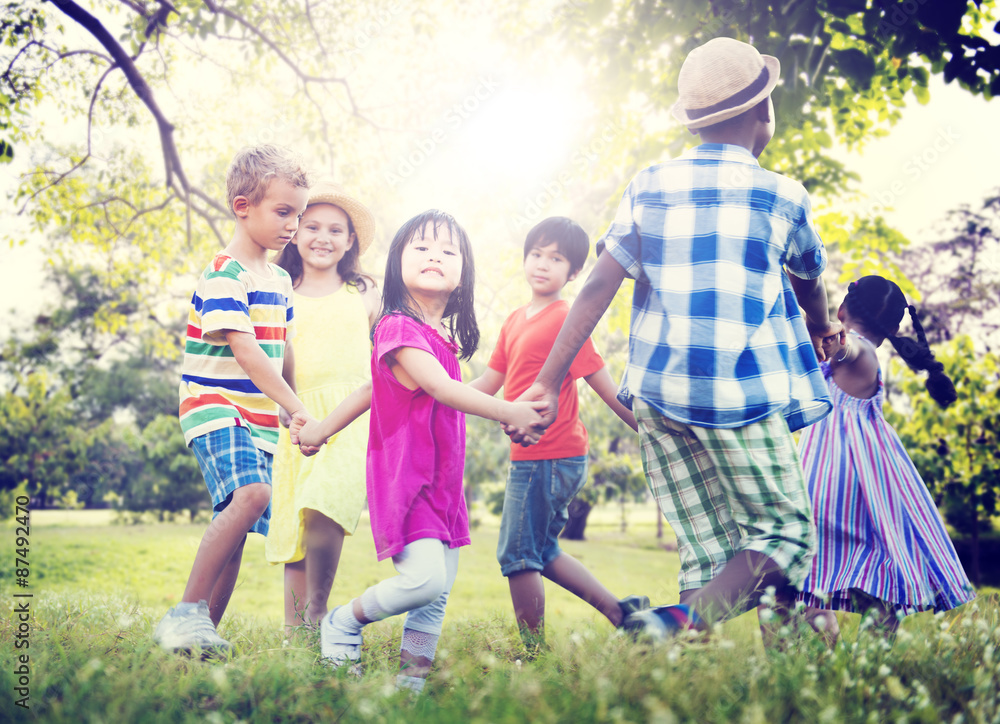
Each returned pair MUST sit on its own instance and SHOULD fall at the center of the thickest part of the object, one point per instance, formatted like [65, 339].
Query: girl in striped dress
[881, 545]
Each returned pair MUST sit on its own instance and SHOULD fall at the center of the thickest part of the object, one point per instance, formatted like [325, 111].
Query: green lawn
[98, 590]
[150, 563]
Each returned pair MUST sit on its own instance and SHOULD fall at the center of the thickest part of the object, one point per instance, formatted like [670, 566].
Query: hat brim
[773, 68]
[361, 217]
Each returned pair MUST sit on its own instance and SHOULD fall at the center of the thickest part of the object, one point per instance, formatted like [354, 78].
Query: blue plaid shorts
[229, 460]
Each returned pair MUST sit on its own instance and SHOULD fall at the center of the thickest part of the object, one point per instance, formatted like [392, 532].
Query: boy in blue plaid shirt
[721, 363]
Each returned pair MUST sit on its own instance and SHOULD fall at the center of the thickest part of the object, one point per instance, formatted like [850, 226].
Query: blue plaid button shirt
[717, 338]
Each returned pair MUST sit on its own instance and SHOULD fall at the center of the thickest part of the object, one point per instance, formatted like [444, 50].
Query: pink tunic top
[416, 448]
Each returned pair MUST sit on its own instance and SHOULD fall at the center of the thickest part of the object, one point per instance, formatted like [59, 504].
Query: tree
[955, 449]
[958, 276]
[847, 66]
[40, 446]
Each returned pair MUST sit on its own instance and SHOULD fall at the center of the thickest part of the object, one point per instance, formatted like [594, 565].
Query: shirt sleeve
[498, 360]
[622, 239]
[806, 256]
[225, 307]
[396, 331]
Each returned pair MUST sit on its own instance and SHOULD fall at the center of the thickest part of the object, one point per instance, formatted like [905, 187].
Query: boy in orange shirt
[544, 478]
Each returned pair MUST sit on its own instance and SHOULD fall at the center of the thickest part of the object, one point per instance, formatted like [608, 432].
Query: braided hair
[879, 304]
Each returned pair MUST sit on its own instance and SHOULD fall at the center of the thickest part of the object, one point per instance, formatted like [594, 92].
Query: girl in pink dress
[416, 444]
[881, 545]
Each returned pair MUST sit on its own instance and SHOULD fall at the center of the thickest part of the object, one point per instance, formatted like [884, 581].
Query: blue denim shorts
[535, 511]
[229, 460]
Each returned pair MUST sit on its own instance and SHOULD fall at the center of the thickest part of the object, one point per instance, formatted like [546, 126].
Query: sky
[935, 158]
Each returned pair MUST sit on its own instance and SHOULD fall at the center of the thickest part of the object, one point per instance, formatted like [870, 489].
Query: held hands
[283, 417]
[545, 404]
[820, 333]
[304, 431]
[835, 346]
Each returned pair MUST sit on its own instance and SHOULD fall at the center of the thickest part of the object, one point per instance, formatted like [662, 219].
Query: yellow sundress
[332, 359]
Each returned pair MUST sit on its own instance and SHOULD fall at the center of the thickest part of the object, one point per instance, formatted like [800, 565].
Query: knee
[427, 587]
[253, 498]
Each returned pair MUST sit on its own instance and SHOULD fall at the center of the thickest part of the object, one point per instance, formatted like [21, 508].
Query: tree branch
[171, 157]
[239, 19]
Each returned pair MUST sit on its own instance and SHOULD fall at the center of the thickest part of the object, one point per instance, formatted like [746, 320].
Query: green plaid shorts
[726, 490]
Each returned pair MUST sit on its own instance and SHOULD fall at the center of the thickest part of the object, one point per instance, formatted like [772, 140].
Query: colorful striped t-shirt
[215, 392]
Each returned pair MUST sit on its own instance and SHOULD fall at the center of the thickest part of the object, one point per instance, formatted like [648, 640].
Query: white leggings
[427, 570]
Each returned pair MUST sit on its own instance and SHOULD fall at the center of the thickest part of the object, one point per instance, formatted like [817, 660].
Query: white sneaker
[188, 631]
[338, 646]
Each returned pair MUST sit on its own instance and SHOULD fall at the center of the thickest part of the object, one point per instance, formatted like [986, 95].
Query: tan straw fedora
[720, 80]
[328, 192]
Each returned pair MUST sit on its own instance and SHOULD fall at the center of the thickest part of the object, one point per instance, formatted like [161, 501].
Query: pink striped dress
[878, 529]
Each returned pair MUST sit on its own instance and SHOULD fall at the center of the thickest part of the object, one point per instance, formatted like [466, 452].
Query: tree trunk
[577, 523]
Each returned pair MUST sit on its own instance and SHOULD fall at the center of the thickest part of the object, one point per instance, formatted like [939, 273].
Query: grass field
[99, 589]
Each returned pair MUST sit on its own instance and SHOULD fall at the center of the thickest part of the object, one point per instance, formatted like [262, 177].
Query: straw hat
[720, 80]
[328, 192]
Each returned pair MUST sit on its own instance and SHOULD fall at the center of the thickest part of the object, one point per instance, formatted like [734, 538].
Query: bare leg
[295, 594]
[418, 666]
[324, 543]
[527, 593]
[572, 575]
[224, 587]
[884, 616]
[223, 538]
[824, 623]
[737, 587]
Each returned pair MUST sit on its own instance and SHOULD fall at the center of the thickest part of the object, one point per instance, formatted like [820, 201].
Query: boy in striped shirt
[238, 340]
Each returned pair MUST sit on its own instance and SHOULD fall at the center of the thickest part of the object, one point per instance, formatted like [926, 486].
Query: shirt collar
[721, 152]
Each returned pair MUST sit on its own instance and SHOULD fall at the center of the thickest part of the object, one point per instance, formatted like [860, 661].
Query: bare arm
[489, 382]
[602, 383]
[417, 368]
[260, 369]
[287, 374]
[372, 299]
[811, 296]
[586, 312]
[311, 434]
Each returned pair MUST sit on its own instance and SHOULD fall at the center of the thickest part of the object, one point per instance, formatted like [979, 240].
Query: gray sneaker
[185, 632]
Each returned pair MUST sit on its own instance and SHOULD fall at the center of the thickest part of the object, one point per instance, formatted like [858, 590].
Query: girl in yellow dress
[317, 500]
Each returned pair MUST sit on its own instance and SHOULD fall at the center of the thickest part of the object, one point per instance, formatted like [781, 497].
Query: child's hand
[304, 432]
[283, 417]
[526, 419]
[524, 437]
[834, 345]
[819, 332]
[548, 409]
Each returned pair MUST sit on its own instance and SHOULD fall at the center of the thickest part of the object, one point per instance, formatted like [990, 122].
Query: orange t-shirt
[520, 352]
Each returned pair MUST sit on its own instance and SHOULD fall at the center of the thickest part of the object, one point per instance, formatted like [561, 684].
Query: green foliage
[92, 659]
[847, 67]
[40, 446]
[955, 449]
[170, 479]
[957, 278]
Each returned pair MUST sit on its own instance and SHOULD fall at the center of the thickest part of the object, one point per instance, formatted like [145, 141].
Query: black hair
[349, 266]
[879, 304]
[569, 237]
[459, 313]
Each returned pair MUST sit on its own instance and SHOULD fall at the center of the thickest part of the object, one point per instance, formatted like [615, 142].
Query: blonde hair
[254, 167]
